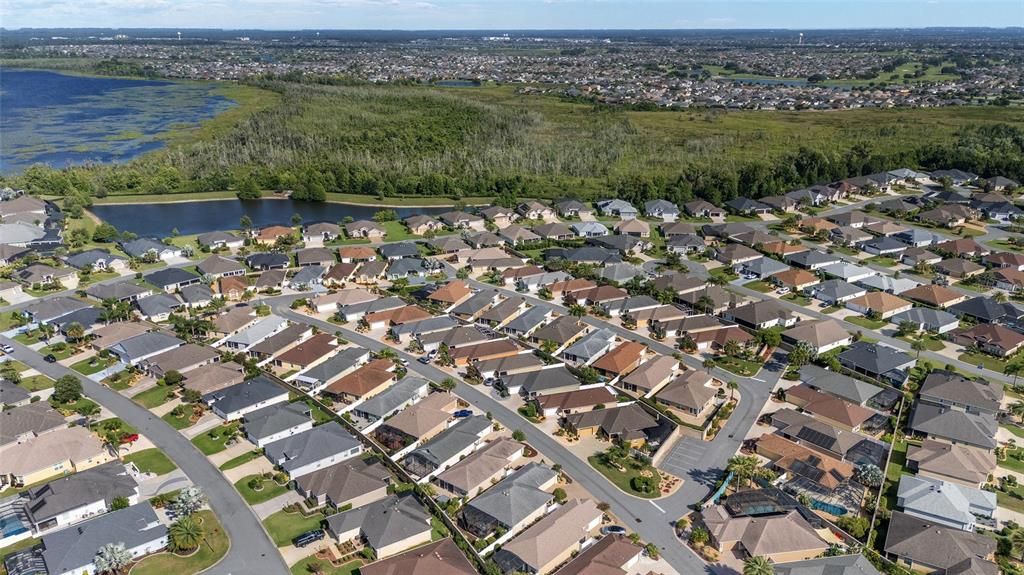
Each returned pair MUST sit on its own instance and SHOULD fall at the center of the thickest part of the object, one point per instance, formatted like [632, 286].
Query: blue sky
[510, 14]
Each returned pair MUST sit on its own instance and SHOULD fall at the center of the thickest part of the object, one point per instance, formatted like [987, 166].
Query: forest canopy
[418, 141]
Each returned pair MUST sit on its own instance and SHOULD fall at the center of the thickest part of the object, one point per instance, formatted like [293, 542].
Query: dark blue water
[201, 217]
[60, 120]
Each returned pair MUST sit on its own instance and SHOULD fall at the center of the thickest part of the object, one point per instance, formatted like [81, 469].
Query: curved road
[252, 551]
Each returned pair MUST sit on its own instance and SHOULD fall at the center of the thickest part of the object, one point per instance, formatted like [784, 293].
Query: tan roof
[548, 538]
[881, 302]
[796, 278]
[451, 292]
[214, 377]
[364, 379]
[228, 284]
[115, 333]
[310, 350]
[439, 558]
[577, 399]
[1011, 276]
[345, 481]
[601, 293]
[606, 557]
[481, 465]
[800, 460]
[399, 315]
[73, 443]
[633, 226]
[818, 333]
[486, 350]
[357, 252]
[620, 359]
[344, 297]
[783, 248]
[422, 417]
[723, 335]
[691, 389]
[963, 462]
[572, 285]
[885, 228]
[763, 535]
[829, 406]
[652, 372]
[273, 232]
[181, 358]
[817, 224]
[234, 319]
[934, 295]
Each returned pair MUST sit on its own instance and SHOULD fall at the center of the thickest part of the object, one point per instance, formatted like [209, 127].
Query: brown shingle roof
[310, 350]
[622, 358]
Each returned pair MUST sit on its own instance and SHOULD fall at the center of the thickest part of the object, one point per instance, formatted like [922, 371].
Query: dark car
[463, 413]
[50, 358]
[613, 530]
[308, 537]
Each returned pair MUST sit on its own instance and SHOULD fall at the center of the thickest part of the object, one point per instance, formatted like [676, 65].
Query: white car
[782, 291]
[6, 348]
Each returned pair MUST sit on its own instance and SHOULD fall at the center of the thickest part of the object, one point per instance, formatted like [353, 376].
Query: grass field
[619, 478]
[988, 361]
[303, 567]
[36, 382]
[93, 365]
[215, 545]
[252, 496]
[213, 441]
[867, 323]
[154, 397]
[240, 460]
[284, 526]
[151, 461]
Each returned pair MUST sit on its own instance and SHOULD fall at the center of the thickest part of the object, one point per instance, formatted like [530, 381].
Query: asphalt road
[653, 520]
[252, 551]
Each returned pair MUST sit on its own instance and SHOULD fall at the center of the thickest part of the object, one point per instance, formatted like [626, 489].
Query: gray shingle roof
[452, 440]
[241, 395]
[103, 482]
[839, 565]
[517, 496]
[385, 402]
[385, 522]
[273, 419]
[954, 424]
[145, 344]
[71, 549]
[311, 446]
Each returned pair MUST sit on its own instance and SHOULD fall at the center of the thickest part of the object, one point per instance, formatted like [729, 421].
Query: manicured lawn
[93, 365]
[619, 478]
[759, 285]
[734, 218]
[284, 526]
[845, 250]
[881, 261]
[213, 441]
[215, 545]
[270, 490]
[738, 365]
[96, 277]
[831, 309]
[1012, 500]
[1014, 460]
[36, 383]
[28, 338]
[59, 351]
[724, 272]
[438, 530]
[988, 361]
[240, 460]
[151, 461]
[797, 299]
[154, 397]
[17, 365]
[82, 404]
[319, 415]
[122, 382]
[9, 321]
[866, 323]
[302, 567]
[178, 423]
[1018, 431]
[931, 343]
[976, 288]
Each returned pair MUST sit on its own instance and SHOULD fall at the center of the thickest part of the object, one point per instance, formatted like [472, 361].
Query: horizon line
[507, 30]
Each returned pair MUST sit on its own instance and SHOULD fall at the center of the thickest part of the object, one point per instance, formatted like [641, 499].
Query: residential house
[963, 464]
[820, 336]
[307, 353]
[573, 209]
[320, 447]
[37, 275]
[989, 338]
[662, 209]
[879, 303]
[363, 382]
[630, 423]
[703, 209]
[388, 526]
[959, 268]
[171, 280]
[499, 216]
[513, 503]
[552, 379]
[322, 257]
[735, 254]
[877, 361]
[836, 292]
[621, 360]
[746, 206]
[481, 469]
[927, 319]
[943, 502]
[812, 259]
[180, 359]
[220, 240]
[61, 451]
[611, 555]
[442, 556]
[136, 349]
[365, 229]
[421, 225]
[351, 483]
[269, 235]
[268, 261]
[930, 547]
[761, 315]
[534, 210]
[419, 422]
[447, 447]
[234, 402]
[552, 540]
[779, 537]
[619, 208]
[98, 261]
[275, 422]
[320, 233]
[986, 310]
[75, 498]
[590, 347]
[406, 392]
[219, 266]
[795, 279]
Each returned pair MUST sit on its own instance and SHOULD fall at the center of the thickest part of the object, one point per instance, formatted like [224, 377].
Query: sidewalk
[268, 508]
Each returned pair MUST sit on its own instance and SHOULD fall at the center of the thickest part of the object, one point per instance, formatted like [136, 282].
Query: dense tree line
[394, 141]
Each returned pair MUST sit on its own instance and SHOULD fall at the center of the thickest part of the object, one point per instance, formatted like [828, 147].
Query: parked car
[50, 358]
[782, 291]
[6, 348]
[613, 530]
[308, 537]
[463, 413]
[489, 382]
[424, 359]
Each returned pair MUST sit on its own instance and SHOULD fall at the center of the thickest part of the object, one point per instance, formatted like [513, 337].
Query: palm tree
[576, 310]
[1017, 542]
[918, 345]
[732, 386]
[705, 303]
[709, 364]
[1014, 368]
[732, 348]
[758, 565]
[112, 558]
[1017, 410]
[743, 467]
[75, 331]
[185, 534]
[688, 343]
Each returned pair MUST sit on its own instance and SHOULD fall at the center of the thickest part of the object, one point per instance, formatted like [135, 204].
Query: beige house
[651, 376]
[59, 452]
[780, 538]
[481, 469]
[551, 541]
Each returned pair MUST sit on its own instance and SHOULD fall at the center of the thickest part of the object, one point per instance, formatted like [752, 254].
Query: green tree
[74, 331]
[185, 534]
[112, 558]
[918, 345]
[119, 503]
[67, 389]
[248, 189]
[245, 222]
[296, 219]
[519, 435]
[699, 536]
[758, 565]
[801, 355]
[104, 233]
[732, 386]
[559, 495]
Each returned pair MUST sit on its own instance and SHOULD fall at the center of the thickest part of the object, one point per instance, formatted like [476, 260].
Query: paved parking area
[685, 456]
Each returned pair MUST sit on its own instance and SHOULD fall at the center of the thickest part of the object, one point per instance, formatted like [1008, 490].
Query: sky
[510, 14]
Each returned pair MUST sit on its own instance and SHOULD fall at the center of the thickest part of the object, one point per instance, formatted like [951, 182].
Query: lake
[158, 220]
[60, 119]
